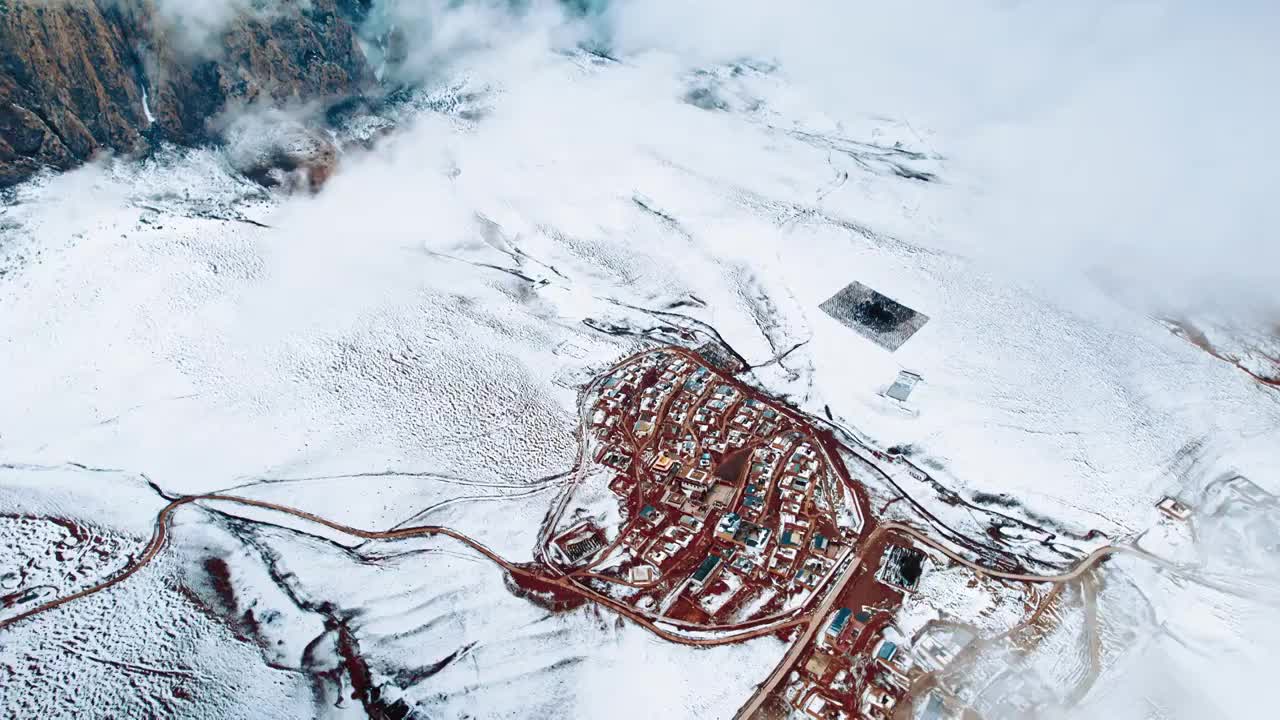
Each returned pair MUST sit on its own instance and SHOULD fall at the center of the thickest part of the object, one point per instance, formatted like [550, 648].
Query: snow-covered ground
[951, 593]
[397, 348]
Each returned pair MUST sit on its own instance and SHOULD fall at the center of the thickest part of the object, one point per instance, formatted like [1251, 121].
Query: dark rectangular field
[880, 319]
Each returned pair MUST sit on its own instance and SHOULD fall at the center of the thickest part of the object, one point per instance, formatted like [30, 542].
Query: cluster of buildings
[721, 492]
[857, 666]
[852, 671]
[991, 681]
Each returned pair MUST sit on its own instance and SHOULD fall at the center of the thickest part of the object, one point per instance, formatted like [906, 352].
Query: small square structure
[818, 665]
[581, 542]
[1174, 508]
[901, 567]
[720, 496]
[642, 574]
[663, 463]
[902, 387]
[886, 322]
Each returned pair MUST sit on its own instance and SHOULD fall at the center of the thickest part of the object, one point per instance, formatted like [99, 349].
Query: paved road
[766, 688]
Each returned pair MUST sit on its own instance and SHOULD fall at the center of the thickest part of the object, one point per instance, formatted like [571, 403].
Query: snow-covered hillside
[407, 344]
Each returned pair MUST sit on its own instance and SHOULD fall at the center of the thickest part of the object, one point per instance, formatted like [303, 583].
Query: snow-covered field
[404, 346]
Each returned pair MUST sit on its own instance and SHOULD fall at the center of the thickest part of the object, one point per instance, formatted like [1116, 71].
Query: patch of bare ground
[1194, 335]
[551, 596]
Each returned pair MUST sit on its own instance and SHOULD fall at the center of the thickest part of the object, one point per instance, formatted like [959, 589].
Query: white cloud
[1132, 137]
[197, 26]
[435, 33]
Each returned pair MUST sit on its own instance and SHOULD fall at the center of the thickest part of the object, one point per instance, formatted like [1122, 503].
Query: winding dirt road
[811, 622]
[160, 536]
[547, 573]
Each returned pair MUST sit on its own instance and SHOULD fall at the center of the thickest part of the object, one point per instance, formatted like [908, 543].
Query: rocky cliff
[81, 76]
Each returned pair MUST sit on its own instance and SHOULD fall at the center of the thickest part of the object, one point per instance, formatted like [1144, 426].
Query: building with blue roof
[839, 622]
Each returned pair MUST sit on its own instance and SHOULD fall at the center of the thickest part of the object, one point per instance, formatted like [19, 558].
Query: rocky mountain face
[78, 77]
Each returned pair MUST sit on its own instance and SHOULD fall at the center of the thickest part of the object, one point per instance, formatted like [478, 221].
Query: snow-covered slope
[406, 345]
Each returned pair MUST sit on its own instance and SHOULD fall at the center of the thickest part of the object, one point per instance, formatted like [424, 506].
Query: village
[731, 511]
[711, 510]
[855, 667]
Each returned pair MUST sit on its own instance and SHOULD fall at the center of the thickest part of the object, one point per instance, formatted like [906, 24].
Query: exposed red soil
[552, 596]
[1195, 336]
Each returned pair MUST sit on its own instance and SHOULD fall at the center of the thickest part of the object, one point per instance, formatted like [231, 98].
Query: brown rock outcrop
[74, 74]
